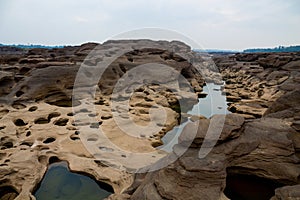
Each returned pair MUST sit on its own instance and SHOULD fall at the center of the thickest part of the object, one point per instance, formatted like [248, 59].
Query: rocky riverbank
[260, 139]
[259, 144]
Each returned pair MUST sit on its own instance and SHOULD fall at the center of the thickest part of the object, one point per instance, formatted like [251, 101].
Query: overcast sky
[223, 24]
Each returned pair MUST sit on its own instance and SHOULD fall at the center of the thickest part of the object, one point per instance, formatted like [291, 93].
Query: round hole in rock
[61, 122]
[106, 117]
[8, 192]
[249, 187]
[28, 133]
[60, 183]
[74, 137]
[52, 115]
[19, 122]
[100, 102]
[54, 159]
[70, 114]
[64, 103]
[41, 120]
[77, 132]
[19, 93]
[49, 140]
[27, 143]
[7, 145]
[32, 108]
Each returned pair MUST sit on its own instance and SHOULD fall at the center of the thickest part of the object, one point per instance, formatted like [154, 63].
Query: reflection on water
[171, 137]
[213, 103]
[61, 184]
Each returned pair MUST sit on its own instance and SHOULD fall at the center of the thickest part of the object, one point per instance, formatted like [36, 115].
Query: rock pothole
[28, 133]
[53, 115]
[20, 122]
[49, 140]
[41, 120]
[6, 145]
[61, 122]
[74, 137]
[32, 108]
[70, 114]
[26, 143]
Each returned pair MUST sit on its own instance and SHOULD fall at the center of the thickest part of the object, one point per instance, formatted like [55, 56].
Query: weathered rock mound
[37, 121]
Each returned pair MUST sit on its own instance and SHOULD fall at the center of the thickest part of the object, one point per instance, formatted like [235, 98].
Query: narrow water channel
[61, 184]
[214, 103]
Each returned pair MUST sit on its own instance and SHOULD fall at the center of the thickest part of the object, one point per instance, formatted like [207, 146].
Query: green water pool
[61, 184]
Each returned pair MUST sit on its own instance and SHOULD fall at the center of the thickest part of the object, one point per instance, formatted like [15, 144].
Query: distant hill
[30, 46]
[276, 49]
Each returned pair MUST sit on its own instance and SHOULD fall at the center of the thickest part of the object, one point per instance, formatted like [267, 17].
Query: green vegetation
[276, 49]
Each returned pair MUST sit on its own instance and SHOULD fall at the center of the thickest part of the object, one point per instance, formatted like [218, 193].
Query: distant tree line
[276, 49]
[215, 51]
[30, 46]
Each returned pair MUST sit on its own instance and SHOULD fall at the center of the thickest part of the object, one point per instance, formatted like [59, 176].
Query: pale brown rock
[38, 125]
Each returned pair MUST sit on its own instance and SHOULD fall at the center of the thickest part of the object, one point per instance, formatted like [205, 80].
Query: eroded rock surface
[258, 148]
[259, 141]
[38, 124]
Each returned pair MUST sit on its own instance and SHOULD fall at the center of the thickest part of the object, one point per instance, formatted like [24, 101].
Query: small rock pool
[61, 184]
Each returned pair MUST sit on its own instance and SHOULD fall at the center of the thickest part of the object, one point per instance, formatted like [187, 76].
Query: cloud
[215, 23]
[80, 19]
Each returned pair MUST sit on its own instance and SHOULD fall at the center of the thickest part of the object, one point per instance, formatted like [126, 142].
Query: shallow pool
[61, 184]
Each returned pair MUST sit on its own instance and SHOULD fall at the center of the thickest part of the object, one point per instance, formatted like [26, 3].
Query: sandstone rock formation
[260, 148]
[38, 124]
[257, 152]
